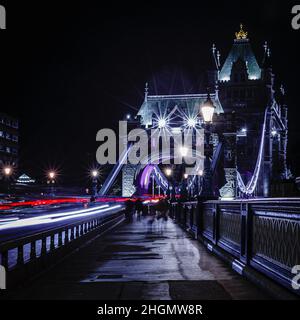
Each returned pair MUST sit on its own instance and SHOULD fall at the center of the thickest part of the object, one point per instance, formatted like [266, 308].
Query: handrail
[258, 235]
[60, 237]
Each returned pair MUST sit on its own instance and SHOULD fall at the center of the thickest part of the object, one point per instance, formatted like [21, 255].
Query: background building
[9, 138]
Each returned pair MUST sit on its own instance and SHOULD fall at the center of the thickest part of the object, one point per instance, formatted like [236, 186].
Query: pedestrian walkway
[140, 260]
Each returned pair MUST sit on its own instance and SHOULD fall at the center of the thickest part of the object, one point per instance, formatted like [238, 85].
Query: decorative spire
[218, 58]
[146, 91]
[216, 55]
[241, 35]
[213, 48]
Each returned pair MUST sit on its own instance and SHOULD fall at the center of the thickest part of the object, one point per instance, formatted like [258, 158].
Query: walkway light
[168, 171]
[185, 176]
[208, 110]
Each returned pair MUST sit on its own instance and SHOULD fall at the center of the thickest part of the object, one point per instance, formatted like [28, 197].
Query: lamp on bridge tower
[207, 110]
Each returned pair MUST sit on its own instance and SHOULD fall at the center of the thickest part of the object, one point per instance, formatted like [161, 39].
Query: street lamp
[7, 173]
[95, 174]
[168, 172]
[207, 111]
[52, 175]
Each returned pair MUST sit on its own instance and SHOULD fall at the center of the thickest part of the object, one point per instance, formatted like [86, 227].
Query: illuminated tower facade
[247, 88]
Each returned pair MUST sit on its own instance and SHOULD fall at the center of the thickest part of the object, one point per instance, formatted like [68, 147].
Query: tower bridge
[246, 151]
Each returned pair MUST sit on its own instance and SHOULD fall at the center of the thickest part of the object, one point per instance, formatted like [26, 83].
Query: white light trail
[55, 217]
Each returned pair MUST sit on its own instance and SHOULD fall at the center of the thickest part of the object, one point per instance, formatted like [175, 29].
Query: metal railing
[27, 255]
[260, 234]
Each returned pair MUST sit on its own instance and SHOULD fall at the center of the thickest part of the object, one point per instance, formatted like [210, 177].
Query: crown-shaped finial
[241, 34]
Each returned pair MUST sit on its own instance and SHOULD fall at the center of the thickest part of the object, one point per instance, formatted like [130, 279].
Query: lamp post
[7, 173]
[94, 175]
[51, 176]
[207, 110]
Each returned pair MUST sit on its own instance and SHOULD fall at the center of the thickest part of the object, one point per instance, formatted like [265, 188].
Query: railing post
[52, 242]
[44, 247]
[72, 234]
[66, 236]
[32, 250]
[77, 231]
[4, 259]
[217, 223]
[200, 210]
[245, 232]
[60, 239]
[20, 260]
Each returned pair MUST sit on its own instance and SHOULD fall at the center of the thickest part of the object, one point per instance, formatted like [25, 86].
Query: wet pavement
[142, 260]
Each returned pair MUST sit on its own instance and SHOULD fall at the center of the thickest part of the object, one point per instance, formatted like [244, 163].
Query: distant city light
[7, 171]
[128, 116]
[95, 173]
[191, 122]
[162, 123]
[52, 174]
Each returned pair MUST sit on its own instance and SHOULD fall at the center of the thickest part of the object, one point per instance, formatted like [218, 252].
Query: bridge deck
[137, 261]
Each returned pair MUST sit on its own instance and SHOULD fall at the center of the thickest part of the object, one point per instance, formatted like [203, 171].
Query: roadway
[28, 221]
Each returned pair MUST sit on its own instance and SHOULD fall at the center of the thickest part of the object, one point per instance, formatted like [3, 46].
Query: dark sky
[68, 71]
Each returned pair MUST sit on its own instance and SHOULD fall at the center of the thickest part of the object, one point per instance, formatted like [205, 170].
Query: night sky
[67, 72]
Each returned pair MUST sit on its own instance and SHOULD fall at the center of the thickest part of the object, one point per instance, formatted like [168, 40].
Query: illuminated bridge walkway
[139, 261]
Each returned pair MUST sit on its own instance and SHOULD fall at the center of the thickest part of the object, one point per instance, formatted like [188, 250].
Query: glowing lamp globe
[208, 110]
[94, 173]
[168, 172]
[52, 175]
[162, 123]
[7, 171]
[191, 122]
